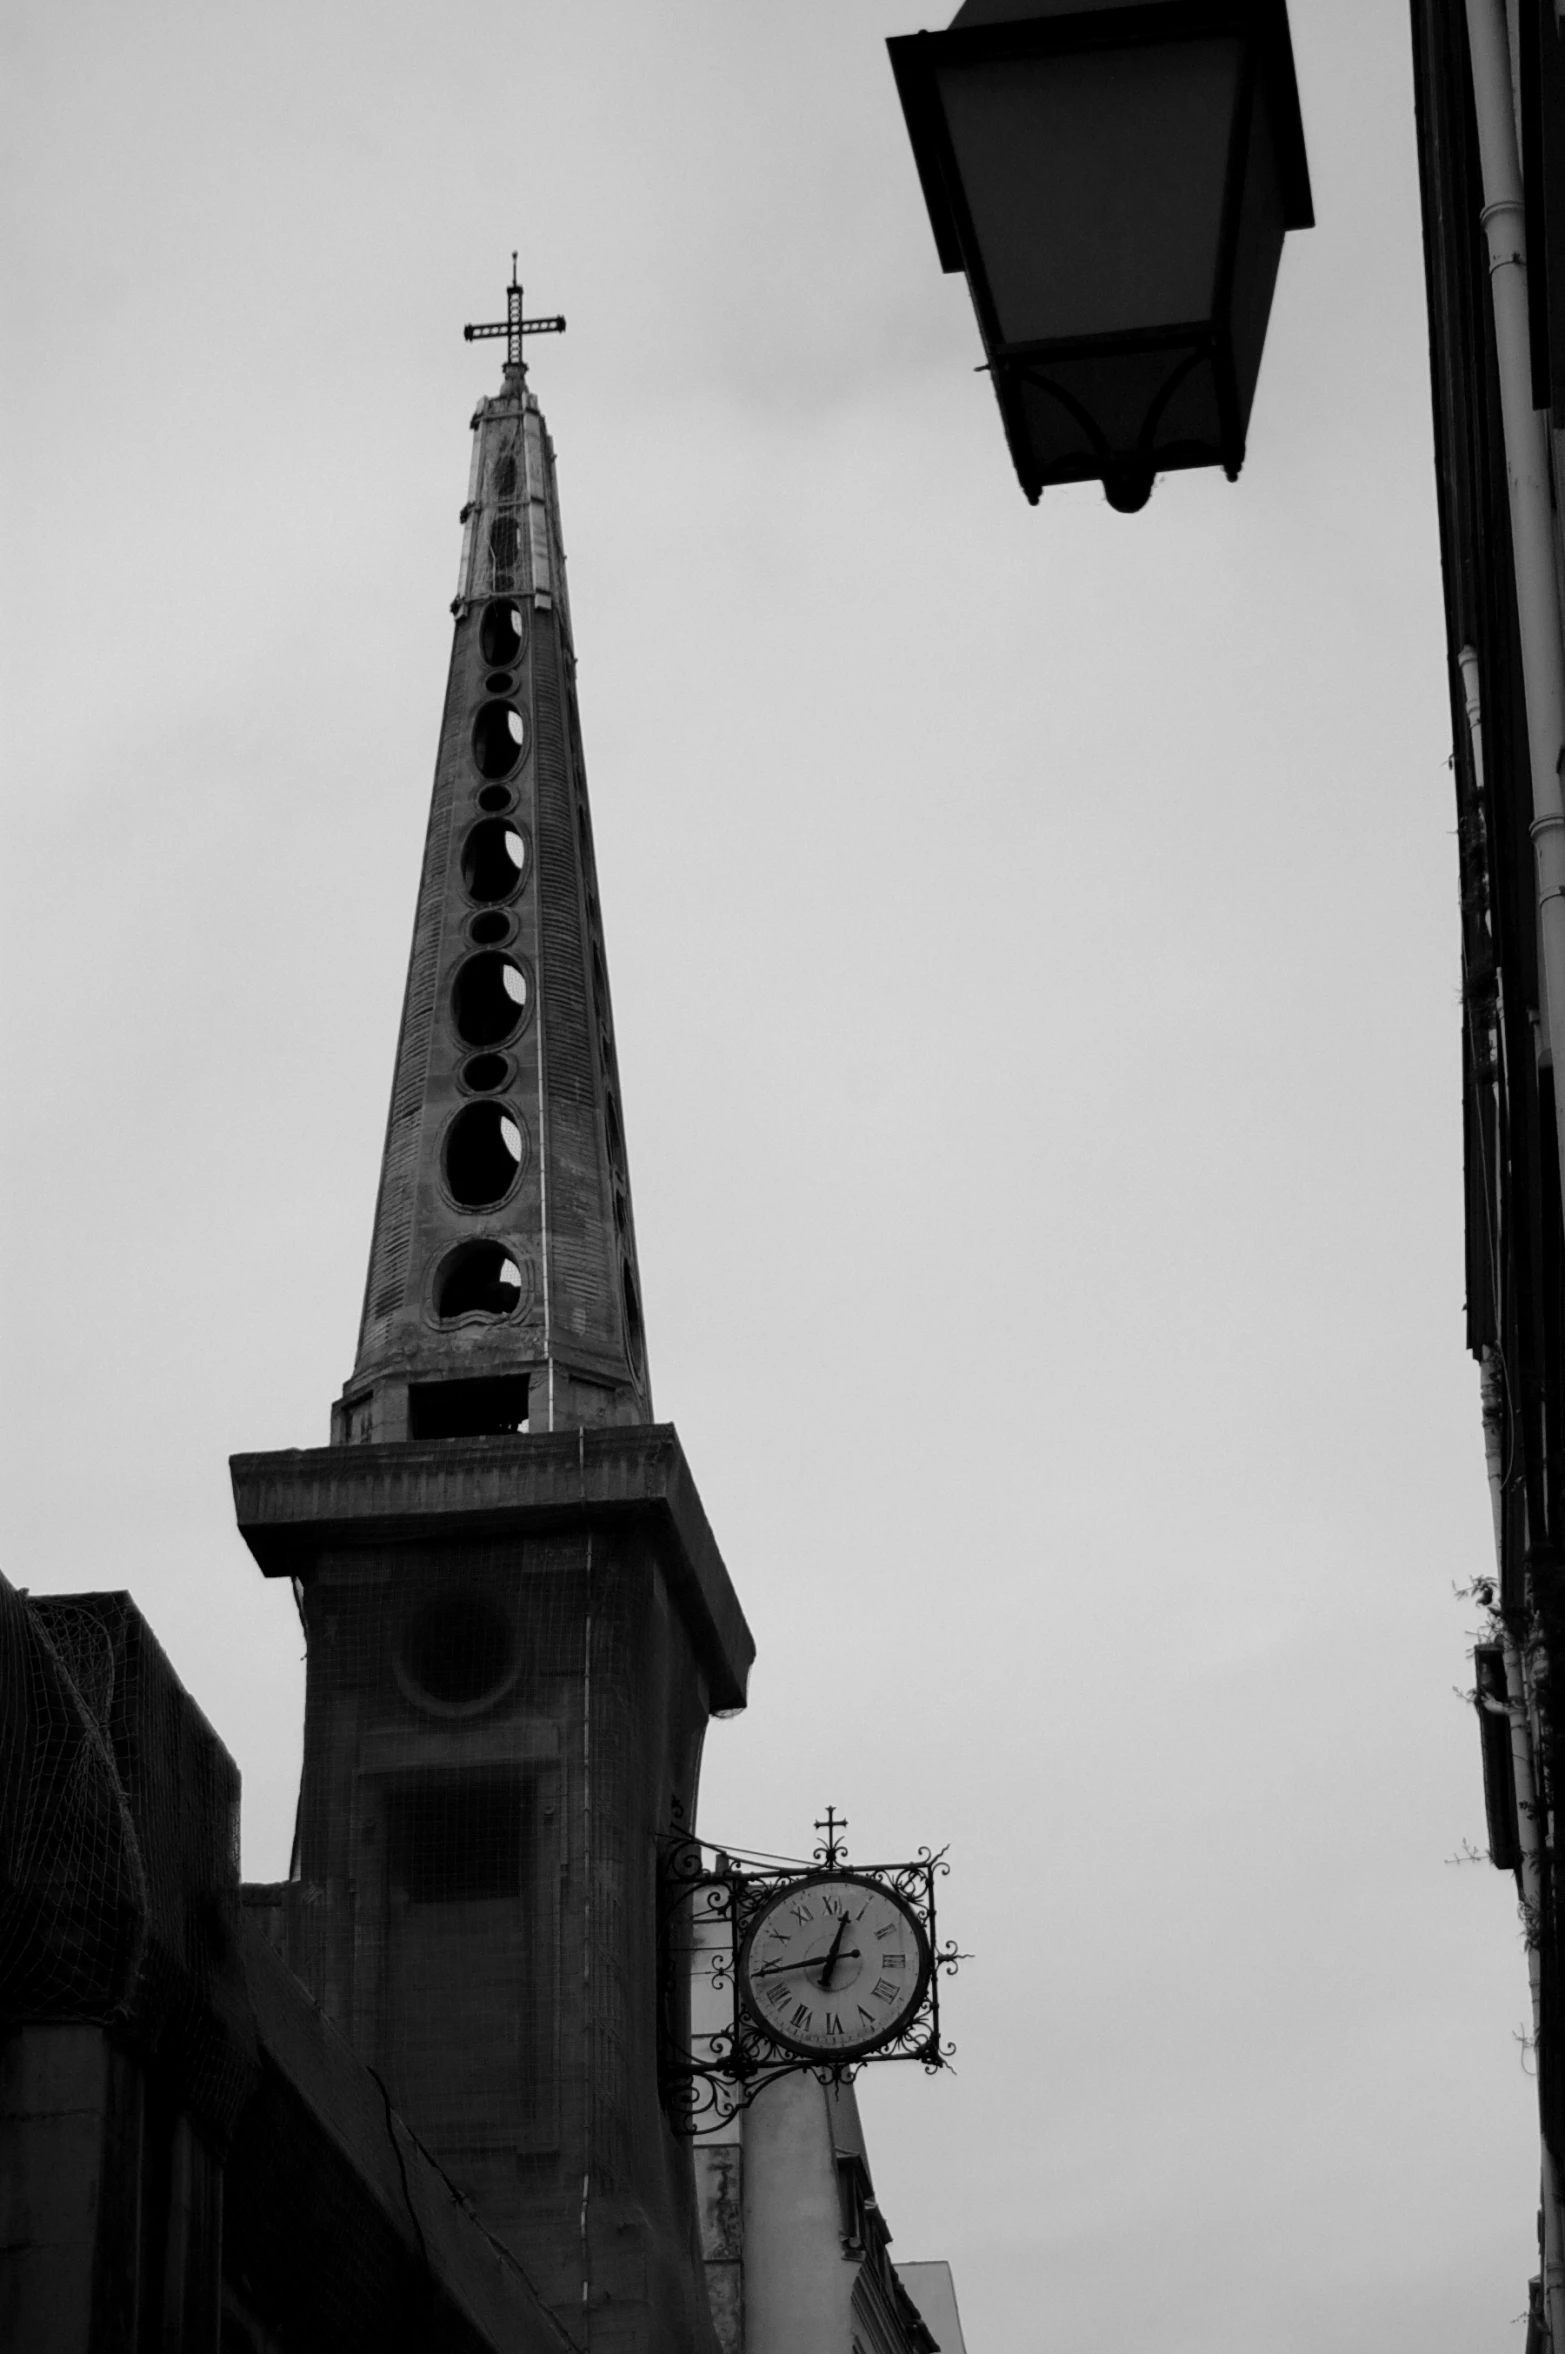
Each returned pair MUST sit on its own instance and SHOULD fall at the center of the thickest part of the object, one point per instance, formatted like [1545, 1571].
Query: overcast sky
[1034, 944]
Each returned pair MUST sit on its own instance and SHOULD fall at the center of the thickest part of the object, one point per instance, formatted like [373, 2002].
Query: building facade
[1489, 79]
[798, 2251]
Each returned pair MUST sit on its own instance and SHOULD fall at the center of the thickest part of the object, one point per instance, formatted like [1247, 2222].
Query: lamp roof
[1004, 12]
[996, 29]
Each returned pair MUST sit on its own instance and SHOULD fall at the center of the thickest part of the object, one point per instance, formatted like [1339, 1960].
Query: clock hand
[836, 1948]
[769, 1969]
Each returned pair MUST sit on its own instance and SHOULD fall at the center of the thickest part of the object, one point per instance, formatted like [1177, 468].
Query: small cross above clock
[832, 1847]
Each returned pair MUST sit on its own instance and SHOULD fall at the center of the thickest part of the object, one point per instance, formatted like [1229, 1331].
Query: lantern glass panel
[1095, 181]
[1257, 252]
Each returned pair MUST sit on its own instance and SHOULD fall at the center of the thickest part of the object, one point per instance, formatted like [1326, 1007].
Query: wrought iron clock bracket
[715, 2056]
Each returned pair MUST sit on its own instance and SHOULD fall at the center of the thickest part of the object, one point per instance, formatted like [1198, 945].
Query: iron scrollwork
[715, 2052]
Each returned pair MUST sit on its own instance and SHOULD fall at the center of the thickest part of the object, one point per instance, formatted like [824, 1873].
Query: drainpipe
[1532, 512]
[1517, 1707]
[1467, 664]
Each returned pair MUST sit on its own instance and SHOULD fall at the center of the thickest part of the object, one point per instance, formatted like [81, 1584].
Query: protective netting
[72, 1890]
[497, 1732]
[118, 1845]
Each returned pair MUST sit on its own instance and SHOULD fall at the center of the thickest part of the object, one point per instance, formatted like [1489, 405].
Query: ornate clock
[833, 1967]
[769, 1967]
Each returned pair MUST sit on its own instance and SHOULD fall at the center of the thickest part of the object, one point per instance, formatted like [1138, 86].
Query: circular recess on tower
[496, 797]
[489, 999]
[478, 1279]
[457, 1654]
[502, 633]
[494, 858]
[484, 1149]
[499, 682]
[483, 1073]
[499, 739]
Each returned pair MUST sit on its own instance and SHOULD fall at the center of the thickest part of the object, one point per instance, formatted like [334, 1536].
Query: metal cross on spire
[513, 326]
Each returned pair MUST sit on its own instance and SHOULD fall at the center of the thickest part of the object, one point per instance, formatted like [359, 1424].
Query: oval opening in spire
[499, 739]
[501, 633]
[488, 998]
[478, 1279]
[483, 1155]
[632, 1315]
[490, 928]
[494, 859]
[483, 1073]
[502, 550]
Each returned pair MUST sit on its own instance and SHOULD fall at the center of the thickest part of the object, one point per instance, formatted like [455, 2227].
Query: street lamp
[1115, 182]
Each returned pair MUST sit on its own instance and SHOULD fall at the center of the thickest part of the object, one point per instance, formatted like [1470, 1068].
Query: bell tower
[518, 1622]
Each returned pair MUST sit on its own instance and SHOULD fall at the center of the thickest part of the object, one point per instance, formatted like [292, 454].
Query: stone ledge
[296, 1505]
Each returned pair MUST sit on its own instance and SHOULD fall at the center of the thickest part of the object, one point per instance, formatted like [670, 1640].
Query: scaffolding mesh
[497, 1730]
[118, 1845]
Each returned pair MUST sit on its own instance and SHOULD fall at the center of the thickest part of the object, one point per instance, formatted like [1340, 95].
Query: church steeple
[514, 1642]
[503, 1291]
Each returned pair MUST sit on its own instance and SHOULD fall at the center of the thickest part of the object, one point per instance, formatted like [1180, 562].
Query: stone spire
[503, 1292]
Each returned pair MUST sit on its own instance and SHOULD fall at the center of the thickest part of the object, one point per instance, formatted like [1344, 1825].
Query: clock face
[832, 1967]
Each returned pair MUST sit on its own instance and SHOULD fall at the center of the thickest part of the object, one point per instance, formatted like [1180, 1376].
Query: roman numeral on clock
[885, 1992]
[802, 2016]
